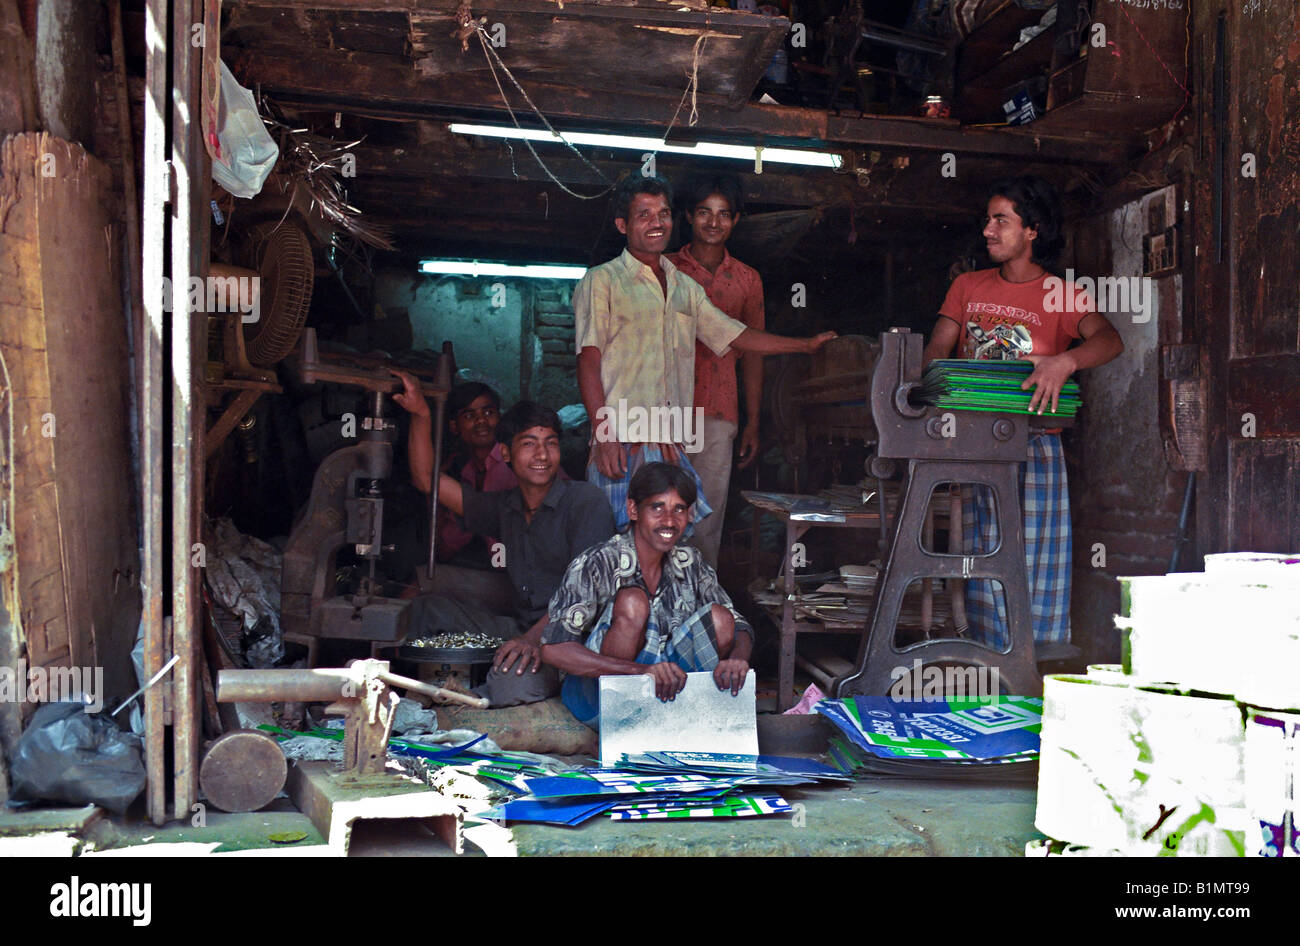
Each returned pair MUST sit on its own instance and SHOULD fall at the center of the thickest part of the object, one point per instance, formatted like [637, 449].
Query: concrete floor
[879, 818]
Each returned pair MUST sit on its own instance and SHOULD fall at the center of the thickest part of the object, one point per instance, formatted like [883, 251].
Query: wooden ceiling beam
[548, 42]
[386, 86]
[631, 9]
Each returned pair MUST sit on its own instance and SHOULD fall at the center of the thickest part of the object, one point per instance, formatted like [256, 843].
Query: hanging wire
[490, 54]
[494, 60]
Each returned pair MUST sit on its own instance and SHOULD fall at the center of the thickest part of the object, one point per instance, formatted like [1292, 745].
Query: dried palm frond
[315, 163]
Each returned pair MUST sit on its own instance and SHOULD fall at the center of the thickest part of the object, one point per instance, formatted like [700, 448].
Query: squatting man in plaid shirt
[1014, 310]
[644, 604]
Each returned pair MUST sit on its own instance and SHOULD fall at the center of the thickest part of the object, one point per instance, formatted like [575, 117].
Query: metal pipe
[439, 408]
[338, 271]
[288, 686]
[1181, 539]
[320, 685]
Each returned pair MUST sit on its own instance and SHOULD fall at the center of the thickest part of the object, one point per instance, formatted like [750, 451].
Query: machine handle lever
[436, 692]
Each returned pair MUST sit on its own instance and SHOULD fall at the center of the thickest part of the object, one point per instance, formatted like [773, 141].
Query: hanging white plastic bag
[248, 152]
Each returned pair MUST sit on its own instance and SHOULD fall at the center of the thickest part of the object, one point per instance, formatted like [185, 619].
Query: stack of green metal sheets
[971, 385]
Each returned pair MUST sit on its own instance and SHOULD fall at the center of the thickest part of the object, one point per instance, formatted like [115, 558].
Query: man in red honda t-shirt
[1013, 311]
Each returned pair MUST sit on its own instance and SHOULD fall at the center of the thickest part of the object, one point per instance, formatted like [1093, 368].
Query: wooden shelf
[1102, 95]
[791, 619]
[1030, 60]
[992, 40]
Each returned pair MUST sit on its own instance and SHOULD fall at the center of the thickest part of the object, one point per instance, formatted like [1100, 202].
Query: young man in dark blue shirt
[543, 523]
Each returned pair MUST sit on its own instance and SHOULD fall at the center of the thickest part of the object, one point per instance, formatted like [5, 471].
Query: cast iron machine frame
[939, 447]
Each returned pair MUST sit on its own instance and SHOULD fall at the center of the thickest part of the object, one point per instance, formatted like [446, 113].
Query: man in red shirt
[1017, 310]
[713, 209]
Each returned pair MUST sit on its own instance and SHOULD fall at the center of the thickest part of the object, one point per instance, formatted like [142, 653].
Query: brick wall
[1125, 499]
[555, 378]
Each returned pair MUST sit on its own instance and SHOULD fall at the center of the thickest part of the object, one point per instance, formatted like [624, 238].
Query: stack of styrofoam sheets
[1234, 630]
[1272, 760]
[1141, 770]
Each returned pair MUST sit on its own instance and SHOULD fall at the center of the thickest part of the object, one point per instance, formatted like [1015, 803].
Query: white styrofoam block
[1049, 848]
[1220, 634]
[1105, 671]
[1256, 566]
[1140, 771]
[1272, 759]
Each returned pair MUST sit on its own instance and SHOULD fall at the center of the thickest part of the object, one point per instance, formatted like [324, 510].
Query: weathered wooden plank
[151, 386]
[189, 259]
[612, 8]
[1261, 388]
[32, 532]
[1264, 199]
[1265, 490]
[19, 109]
[45, 621]
[27, 367]
[577, 52]
[925, 135]
[1208, 296]
[385, 86]
[375, 31]
[574, 44]
[65, 347]
[499, 199]
[86, 352]
[1245, 292]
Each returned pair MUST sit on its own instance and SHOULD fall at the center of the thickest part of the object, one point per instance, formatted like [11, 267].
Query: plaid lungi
[1045, 500]
[616, 490]
[692, 645]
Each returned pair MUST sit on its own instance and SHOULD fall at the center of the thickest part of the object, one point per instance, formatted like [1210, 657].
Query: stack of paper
[980, 385]
[733, 806]
[981, 738]
[665, 785]
[752, 769]
[860, 579]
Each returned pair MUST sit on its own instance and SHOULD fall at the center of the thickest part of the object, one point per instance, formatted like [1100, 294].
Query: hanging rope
[490, 54]
[468, 24]
[693, 82]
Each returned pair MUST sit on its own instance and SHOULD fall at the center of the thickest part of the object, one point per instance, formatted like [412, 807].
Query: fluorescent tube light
[462, 267]
[702, 149]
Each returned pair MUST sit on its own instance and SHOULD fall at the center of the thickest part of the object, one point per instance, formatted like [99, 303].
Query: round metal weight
[243, 771]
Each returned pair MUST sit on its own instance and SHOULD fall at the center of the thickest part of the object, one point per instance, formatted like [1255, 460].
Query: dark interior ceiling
[393, 74]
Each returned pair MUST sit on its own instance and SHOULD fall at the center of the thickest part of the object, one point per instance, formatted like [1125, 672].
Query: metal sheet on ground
[701, 719]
